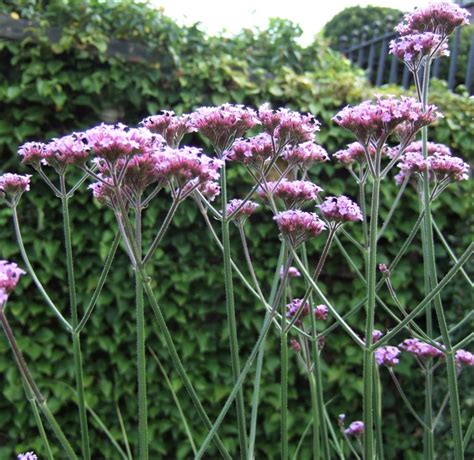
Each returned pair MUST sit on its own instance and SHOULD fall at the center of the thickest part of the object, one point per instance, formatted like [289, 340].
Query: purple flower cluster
[304, 155]
[223, 124]
[387, 356]
[244, 212]
[464, 357]
[414, 48]
[292, 193]
[295, 306]
[67, 150]
[112, 142]
[320, 312]
[254, 151]
[293, 272]
[355, 429]
[354, 152]
[9, 276]
[340, 209]
[170, 127]
[298, 226]
[286, 126]
[373, 122]
[420, 349]
[32, 153]
[376, 335]
[11, 184]
[27, 456]
[439, 18]
[439, 165]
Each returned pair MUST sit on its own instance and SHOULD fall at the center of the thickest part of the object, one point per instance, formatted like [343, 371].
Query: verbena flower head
[67, 150]
[387, 356]
[383, 268]
[27, 456]
[32, 153]
[376, 335]
[287, 126]
[254, 151]
[10, 274]
[105, 192]
[112, 142]
[354, 152]
[305, 155]
[298, 226]
[439, 165]
[295, 306]
[320, 311]
[245, 211]
[295, 345]
[340, 209]
[12, 187]
[169, 126]
[415, 48]
[293, 272]
[355, 429]
[292, 193]
[417, 147]
[223, 124]
[373, 122]
[421, 349]
[188, 169]
[464, 358]
[439, 17]
[140, 172]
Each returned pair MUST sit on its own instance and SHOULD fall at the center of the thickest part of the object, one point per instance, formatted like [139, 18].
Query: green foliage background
[48, 89]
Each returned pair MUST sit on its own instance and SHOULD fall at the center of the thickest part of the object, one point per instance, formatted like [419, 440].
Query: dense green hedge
[49, 89]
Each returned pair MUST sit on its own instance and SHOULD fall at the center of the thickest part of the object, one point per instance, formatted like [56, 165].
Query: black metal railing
[369, 49]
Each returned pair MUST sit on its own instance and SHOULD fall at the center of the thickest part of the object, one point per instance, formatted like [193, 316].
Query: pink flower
[293, 272]
[112, 142]
[12, 187]
[376, 335]
[340, 209]
[32, 153]
[295, 345]
[104, 191]
[304, 155]
[412, 49]
[298, 226]
[373, 122]
[66, 150]
[383, 268]
[14, 183]
[10, 274]
[292, 193]
[387, 356]
[286, 126]
[244, 212]
[296, 306]
[353, 152]
[355, 429]
[464, 357]
[417, 146]
[169, 126]
[140, 172]
[223, 124]
[421, 349]
[320, 312]
[440, 18]
[254, 152]
[189, 169]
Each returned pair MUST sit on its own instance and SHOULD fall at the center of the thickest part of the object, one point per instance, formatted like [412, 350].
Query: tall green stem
[141, 355]
[284, 384]
[33, 388]
[369, 327]
[378, 413]
[431, 262]
[259, 364]
[231, 321]
[76, 341]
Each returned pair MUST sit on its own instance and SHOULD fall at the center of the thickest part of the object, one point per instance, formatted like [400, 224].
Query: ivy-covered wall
[48, 89]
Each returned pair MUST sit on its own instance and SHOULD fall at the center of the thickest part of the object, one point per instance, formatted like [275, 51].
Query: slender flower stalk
[430, 262]
[284, 376]
[76, 341]
[231, 321]
[141, 338]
